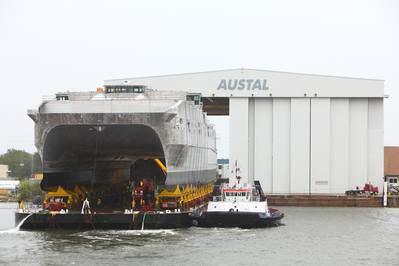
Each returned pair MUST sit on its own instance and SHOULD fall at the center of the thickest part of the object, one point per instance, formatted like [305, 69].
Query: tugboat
[240, 205]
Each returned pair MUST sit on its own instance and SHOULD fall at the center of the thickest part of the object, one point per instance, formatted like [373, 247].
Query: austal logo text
[243, 84]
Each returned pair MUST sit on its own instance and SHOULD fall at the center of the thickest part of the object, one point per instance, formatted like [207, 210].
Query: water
[142, 223]
[311, 236]
[22, 221]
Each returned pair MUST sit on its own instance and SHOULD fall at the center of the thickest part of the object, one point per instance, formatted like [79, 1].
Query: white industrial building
[296, 133]
[4, 171]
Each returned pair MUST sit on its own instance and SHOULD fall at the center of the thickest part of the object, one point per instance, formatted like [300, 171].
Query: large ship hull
[90, 141]
[129, 148]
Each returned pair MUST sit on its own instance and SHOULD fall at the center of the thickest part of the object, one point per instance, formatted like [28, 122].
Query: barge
[102, 221]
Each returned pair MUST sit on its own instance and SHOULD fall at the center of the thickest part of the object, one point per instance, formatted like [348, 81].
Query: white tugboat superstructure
[239, 199]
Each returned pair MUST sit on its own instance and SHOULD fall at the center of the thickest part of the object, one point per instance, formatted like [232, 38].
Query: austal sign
[243, 84]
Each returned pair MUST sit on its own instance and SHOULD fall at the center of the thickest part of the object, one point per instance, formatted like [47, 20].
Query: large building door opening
[217, 109]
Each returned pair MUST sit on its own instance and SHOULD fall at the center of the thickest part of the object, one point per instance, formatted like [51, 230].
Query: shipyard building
[296, 133]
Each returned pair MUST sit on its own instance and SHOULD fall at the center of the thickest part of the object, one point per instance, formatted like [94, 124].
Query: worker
[21, 206]
[86, 207]
[133, 200]
[148, 194]
[138, 196]
[98, 202]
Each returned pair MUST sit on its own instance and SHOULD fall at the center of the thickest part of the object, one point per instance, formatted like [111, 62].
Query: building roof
[246, 82]
[246, 69]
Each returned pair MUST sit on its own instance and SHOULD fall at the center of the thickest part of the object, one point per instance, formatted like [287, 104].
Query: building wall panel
[281, 145]
[263, 168]
[339, 145]
[251, 139]
[299, 145]
[320, 145]
[239, 136]
[358, 142]
[375, 160]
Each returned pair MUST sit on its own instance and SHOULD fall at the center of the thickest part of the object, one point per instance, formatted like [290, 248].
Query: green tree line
[21, 164]
[29, 190]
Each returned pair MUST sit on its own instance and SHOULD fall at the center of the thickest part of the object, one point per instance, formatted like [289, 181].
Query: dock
[331, 201]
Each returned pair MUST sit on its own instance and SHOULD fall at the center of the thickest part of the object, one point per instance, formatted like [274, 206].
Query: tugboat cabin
[238, 199]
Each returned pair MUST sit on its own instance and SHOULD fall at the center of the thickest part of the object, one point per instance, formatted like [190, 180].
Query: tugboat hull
[238, 219]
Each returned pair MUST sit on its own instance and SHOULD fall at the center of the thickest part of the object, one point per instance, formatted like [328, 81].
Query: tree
[19, 163]
[28, 190]
[37, 163]
[23, 191]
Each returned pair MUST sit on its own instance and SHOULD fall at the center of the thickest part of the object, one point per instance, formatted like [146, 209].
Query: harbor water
[309, 236]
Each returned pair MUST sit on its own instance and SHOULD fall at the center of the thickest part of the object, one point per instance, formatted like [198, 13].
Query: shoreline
[301, 200]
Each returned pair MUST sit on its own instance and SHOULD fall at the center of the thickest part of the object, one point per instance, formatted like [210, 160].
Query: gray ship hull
[90, 140]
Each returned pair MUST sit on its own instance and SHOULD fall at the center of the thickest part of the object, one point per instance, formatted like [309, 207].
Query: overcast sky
[50, 46]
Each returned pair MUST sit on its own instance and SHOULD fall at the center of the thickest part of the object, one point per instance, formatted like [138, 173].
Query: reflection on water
[311, 236]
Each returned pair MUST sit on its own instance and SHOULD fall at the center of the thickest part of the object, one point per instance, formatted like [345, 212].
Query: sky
[51, 46]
